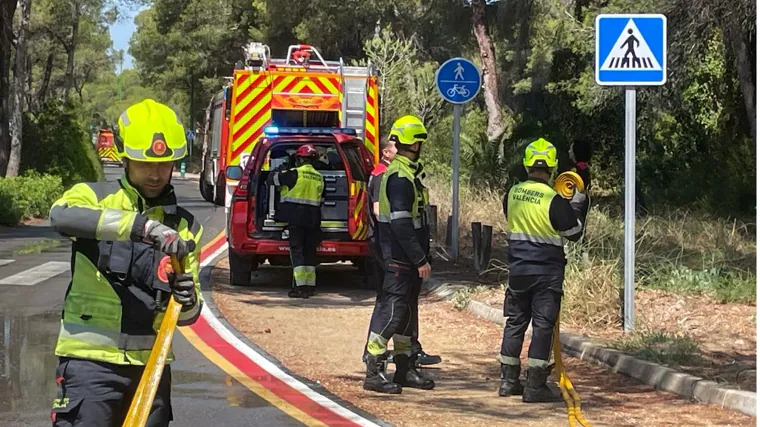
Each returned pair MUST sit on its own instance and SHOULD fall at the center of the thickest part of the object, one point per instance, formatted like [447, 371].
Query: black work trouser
[531, 297]
[98, 394]
[303, 243]
[377, 270]
[396, 312]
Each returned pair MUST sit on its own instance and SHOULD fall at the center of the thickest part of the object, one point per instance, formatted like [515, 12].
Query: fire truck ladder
[354, 96]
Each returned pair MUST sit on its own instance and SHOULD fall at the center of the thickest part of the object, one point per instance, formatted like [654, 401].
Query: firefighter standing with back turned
[405, 242]
[301, 193]
[538, 218]
[122, 232]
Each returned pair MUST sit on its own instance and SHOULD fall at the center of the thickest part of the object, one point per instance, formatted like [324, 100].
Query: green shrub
[56, 143]
[28, 196]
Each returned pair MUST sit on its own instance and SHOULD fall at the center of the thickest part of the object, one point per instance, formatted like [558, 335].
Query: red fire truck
[107, 151]
[301, 90]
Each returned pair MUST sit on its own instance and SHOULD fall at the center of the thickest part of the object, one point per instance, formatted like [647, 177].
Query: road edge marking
[209, 253]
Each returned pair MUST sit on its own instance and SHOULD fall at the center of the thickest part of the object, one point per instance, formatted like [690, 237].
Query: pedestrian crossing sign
[631, 49]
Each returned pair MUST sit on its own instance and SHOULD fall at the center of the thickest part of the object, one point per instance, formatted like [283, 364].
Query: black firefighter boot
[377, 379]
[536, 389]
[510, 381]
[408, 376]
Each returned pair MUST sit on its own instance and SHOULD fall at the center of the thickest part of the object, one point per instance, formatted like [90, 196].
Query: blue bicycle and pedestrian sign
[631, 50]
[458, 80]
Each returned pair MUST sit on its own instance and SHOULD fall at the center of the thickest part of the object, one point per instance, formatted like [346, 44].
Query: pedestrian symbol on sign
[459, 72]
[631, 52]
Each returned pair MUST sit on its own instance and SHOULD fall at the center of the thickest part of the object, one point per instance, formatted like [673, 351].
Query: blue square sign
[631, 50]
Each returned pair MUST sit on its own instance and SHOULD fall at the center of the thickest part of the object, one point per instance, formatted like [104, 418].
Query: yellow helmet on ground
[408, 130]
[540, 153]
[151, 132]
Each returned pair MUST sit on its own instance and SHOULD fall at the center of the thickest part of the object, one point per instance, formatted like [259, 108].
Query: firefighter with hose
[123, 233]
[538, 219]
[301, 194]
[405, 243]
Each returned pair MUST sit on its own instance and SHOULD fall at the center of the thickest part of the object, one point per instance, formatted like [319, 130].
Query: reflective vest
[111, 312]
[535, 247]
[308, 188]
[407, 169]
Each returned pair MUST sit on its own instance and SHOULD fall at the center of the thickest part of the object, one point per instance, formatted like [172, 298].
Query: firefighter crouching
[538, 218]
[122, 232]
[301, 193]
[404, 242]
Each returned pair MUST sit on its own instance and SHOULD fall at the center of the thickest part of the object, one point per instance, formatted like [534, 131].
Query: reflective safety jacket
[403, 222]
[119, 287]
[301, 192]
[537, 220]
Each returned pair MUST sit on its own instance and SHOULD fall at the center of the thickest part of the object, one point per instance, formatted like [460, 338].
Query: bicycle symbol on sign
[458, 90]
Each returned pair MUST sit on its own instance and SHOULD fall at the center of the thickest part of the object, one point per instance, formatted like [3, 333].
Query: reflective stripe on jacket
[111, 312]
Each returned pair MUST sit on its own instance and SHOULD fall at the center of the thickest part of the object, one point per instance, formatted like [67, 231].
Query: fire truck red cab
[256, 237]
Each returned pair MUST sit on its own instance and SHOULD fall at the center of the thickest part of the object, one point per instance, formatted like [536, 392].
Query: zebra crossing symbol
[631, 50]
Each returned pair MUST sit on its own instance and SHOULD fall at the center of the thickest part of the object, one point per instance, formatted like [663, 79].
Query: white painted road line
[37, 274]
[6, 261]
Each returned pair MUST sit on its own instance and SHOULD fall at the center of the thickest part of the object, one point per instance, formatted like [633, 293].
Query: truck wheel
[207, 191]
[240, 269]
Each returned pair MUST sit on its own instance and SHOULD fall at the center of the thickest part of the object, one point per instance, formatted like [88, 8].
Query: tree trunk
[71, 50]
[42, 92]
[741, 54]
[19, 89]
[7, 10]
[496, 123]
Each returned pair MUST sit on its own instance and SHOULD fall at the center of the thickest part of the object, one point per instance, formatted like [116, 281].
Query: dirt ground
[322, 339]
[725, 333]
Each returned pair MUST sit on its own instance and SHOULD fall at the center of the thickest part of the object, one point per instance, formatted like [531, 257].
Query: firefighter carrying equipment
[307, 190]
[408, 130]
[113, 306]
[567, 183]
[151, 132]
[540, 153]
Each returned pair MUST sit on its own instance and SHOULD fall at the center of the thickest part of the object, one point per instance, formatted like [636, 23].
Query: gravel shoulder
[322, 339]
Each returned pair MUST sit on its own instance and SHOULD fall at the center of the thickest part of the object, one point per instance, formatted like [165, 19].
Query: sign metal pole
[630, 208]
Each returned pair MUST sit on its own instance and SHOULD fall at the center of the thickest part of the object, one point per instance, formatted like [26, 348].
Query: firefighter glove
[166, 239]
[183, 289]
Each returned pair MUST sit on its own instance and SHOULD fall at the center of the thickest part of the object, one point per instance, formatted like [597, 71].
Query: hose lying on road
[565, 185]
[569, 395]
[139, 410]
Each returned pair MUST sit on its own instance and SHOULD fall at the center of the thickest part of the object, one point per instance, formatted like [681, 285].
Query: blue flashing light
[276, 130]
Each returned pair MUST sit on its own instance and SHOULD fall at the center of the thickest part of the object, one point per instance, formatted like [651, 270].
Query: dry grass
[676, 250]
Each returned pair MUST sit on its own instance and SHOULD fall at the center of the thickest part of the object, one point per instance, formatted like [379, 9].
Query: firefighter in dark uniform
[404, 242]
[388, 153]
[301, 193]
[122, 232]
[538, 218]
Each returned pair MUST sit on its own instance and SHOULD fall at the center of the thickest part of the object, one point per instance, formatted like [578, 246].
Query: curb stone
[658, 376]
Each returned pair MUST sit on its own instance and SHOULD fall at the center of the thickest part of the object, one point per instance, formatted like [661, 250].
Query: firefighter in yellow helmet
[123, 233]
[404, 243]
[538, 218]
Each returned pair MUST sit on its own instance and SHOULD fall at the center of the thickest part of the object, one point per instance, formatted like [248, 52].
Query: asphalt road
[34, 275]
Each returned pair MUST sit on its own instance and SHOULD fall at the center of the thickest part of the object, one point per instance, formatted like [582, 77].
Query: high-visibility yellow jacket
[112, 308]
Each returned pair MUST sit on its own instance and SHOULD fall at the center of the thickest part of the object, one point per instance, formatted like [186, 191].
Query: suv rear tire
[241, 267]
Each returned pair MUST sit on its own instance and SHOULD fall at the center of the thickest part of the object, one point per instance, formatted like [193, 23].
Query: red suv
[254, 235]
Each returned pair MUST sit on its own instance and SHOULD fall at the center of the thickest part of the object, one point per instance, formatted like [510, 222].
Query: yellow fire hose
[139, 410]
[565, 185]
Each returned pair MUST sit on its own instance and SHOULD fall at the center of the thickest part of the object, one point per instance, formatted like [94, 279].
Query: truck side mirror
[234, 172]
